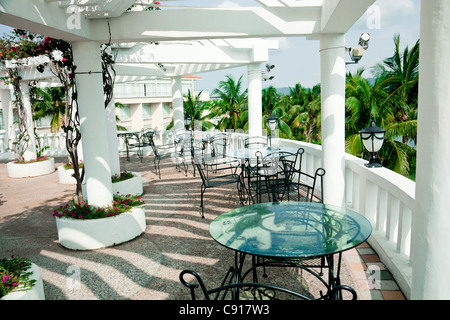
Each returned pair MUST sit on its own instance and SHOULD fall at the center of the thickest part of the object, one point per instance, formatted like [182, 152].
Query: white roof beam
[194, 52]
[191, 24]
[45, 18]
[339, 15]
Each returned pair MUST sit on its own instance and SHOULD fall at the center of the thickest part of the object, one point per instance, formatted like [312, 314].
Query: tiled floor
[374, 281]
[26, 207]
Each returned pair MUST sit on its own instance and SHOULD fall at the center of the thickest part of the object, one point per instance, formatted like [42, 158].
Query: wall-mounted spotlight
[269, 67]
[264, 74]
[266, 77]
[356, 54]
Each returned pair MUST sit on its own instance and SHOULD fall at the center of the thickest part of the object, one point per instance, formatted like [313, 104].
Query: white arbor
[88, 23]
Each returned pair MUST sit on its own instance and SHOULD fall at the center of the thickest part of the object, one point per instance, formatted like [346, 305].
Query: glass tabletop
[290, 229]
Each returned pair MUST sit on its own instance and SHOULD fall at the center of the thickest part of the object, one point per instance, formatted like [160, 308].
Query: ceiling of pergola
[190, 38]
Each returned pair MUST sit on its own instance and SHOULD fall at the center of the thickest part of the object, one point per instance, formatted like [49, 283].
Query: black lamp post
[272, 124]
[373, 139]
[187, 121]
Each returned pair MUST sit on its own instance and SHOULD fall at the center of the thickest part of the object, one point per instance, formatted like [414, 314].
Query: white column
[332, 73]
[431, 220]
[93, 122]
[254, 99]
[30, 152]
[8, 118]
[158, 116]
[177, 103]
[113, 140]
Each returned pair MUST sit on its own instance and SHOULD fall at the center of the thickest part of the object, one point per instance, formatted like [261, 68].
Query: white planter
[35, 293]
[92, 234]
[131, 186]
[32, 169]
[65, 176]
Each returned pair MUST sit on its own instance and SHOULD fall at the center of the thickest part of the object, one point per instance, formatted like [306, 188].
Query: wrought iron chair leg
[201, 200]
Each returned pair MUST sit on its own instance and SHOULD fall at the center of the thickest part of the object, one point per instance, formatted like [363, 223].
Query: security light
[364, 40]
[357, 53]
[269, 67]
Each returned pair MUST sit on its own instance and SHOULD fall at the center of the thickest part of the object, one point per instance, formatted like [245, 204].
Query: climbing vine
[19, 47]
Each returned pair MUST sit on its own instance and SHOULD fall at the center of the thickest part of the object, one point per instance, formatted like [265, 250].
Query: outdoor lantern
[373, 139]
[272, 124]
[187, 121]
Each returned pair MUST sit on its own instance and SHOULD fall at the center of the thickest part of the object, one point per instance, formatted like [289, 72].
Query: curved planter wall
[131, 186]
[65, 176]
[99, 233]
[33, 169]
[35, 293]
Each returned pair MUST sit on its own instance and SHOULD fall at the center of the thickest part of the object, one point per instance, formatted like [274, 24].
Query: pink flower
[14, 283]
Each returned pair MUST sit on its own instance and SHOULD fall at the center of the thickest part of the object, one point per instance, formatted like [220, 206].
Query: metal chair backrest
[229, 290]
[255, 142]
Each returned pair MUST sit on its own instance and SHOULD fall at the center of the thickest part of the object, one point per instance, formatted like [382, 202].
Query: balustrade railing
[384, 197]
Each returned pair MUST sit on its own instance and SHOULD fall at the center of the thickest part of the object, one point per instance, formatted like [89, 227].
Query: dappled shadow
[148, 267]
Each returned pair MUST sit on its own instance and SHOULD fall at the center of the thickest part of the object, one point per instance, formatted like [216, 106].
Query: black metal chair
[272, 178]
[302, 186]
[161, 151]
[214, 177]
[216, 155]
[134, 142]
[228, 290]
[184, 144]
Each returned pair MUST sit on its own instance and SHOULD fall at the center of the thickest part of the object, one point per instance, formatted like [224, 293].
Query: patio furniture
[134, 140]
[215, 177]
[248, 160]
[255, 142]
[184, 140]
[302, 186]
[270, 175]
[162, 151]
[216, 156]
[251, 291]
[287, 234]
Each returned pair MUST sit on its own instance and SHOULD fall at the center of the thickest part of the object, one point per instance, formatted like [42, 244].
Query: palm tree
[50, 102]
[401, 76]
[304, 111]
[232, 105]
[195, 108]
[365, 100]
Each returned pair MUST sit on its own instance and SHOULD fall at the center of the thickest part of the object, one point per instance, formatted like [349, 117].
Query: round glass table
[289, 231]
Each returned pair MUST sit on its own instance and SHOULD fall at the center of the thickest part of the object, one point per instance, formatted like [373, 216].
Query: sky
[297, 60]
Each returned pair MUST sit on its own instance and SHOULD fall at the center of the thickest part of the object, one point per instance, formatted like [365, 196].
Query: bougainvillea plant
[14, 275]
[83, 211]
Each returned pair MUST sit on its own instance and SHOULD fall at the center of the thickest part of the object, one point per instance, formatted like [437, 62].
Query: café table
[288, 233]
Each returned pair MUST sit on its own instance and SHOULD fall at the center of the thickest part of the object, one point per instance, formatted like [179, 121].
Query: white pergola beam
[289, 18]
[45, 18]
[192, 24]
[338, 16]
